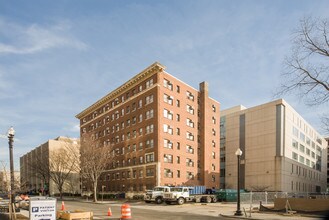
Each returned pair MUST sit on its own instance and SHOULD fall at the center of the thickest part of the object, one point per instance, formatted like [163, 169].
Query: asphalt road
[142, 211]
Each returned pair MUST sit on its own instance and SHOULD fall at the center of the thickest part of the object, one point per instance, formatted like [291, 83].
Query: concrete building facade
[281, 151]
[160, 131]
[35, 179]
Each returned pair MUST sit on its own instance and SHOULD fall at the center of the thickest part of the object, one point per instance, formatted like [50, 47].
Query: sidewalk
[228, 210]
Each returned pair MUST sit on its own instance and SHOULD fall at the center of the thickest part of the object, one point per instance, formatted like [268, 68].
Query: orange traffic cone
[125, 211]
[109, 212]
[63, 206]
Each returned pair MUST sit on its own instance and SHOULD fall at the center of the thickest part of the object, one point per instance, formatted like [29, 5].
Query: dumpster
[228, 195]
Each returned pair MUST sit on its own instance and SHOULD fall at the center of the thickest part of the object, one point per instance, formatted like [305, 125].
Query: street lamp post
[11, 133]
[238, 153]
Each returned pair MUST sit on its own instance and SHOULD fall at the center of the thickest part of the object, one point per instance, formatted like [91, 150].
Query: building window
[148, 99]
[167, 158]
[189, 162]
[177, 89]
[149, 172]
[301, 159]
[301, 148]
[178, 173]
[178, 159]
[149, 157]
[167, 114]
[178, 131]
[189, 149]
[167, 84]
[168, 99]
[168, 144]
[167, 129]
[140, 103]
[177, 103]
[213, 108]
[149, 114]
[214, 120]
[189, 136]
[189, 175]
[213, 154]
[190, 96]
[149, 129]
[189, 123]
[140, 118]
[168, 173]
[140, 146]
[190, 109]
[149, 143]
[178, 117]
[295, 131]
[294, 144]
[294, 156]
[149, 83]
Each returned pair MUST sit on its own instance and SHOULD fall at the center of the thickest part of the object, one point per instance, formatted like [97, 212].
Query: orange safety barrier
[109, 212]
[125, 211]
[63, 206]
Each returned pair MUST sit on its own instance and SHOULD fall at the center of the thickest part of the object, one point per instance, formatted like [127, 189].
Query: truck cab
[178, 194]
[156, 194]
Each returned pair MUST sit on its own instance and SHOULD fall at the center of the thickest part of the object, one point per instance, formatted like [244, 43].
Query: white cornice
[154, 68]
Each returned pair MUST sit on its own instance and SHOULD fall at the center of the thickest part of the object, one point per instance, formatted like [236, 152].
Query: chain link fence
[268, 197]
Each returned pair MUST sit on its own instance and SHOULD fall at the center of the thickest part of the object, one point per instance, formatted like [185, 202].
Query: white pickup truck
[156, 195]
[182, 194]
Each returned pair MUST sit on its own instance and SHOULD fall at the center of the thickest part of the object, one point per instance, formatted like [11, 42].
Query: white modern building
[281, 151]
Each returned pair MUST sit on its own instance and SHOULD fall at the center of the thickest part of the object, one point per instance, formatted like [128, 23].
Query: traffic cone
[109, 212]
[125, 211]
[63, 206]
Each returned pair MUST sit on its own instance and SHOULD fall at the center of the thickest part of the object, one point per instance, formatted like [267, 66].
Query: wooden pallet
[76, 215]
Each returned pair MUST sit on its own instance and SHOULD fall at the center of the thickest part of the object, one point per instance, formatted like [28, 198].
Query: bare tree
[94, 160]
[307, 68]
[62, 163]
[57, 164]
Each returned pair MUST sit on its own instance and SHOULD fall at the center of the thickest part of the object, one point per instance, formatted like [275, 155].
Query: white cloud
[35, 38]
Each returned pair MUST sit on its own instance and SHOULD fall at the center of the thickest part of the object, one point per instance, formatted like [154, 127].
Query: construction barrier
[125, 211]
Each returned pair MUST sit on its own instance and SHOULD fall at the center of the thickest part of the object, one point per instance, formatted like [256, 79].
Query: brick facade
[160, 131]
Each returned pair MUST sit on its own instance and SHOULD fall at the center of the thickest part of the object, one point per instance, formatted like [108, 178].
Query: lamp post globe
[238, 212]
[11, 134]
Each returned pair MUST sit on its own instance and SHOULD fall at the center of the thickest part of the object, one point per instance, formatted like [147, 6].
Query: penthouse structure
[281, 151]
[160, 131]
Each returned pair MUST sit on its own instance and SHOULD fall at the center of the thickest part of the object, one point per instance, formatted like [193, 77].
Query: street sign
[42, 208]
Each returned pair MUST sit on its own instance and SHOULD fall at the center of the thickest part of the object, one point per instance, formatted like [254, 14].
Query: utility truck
[156, 195]
[182, 194]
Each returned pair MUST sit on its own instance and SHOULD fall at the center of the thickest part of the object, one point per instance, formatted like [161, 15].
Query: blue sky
[59, 57]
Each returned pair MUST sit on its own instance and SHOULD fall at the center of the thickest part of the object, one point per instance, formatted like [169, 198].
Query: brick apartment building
[160, 131]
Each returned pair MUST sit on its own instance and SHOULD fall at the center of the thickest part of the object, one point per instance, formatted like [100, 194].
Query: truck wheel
[168, 203]
[214, 199]
[180, 201]
[158, 200]
[148, 201]
[208, 199]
